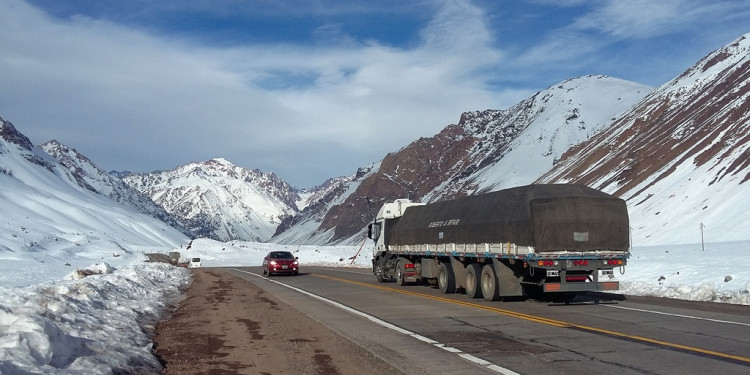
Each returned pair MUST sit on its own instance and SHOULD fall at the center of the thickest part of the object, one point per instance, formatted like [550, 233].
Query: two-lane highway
[419, 330]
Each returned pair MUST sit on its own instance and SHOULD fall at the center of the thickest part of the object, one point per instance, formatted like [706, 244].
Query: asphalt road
[421, 331]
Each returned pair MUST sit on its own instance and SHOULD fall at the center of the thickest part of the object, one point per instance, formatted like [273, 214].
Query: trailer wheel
[473, 280]
[490, 285]
[446, 279]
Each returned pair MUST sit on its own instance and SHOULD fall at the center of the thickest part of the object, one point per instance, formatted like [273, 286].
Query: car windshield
[196, 260]
[282, 255]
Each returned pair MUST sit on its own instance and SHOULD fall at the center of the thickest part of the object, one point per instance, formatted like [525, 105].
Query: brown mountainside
[411, 172]
[701, 118]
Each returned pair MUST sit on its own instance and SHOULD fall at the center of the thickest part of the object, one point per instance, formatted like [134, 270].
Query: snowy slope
[93, 178]
[51, 225]
[217, 199]
[681, 158]
[560, 117]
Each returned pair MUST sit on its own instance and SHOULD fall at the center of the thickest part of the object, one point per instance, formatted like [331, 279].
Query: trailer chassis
[498, 274]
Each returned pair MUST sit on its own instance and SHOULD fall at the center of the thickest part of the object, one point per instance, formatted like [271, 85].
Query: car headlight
[273, 262]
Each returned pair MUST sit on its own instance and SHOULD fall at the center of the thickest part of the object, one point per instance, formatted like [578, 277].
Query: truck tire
[379, 273]
[446, 278]
[490, 284]
[400, 274]
[473, 284]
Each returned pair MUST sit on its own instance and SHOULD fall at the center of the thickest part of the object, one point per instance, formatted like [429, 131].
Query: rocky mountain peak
[90, 177]
[716, 62]
[9, 136]
[270, 182]
[689, 138]
[219, 200]
[71, 159]
[702, 117]
[9, 133]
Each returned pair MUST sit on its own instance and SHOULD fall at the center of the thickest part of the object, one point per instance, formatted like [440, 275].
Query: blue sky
[315, 89]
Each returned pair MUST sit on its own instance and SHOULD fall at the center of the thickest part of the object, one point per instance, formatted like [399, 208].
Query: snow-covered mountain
[486, 150]
[553, 121]
[681, 158]
[219, 200]
[46, 215]
[93, 178]
[323, 200]
[679, 155]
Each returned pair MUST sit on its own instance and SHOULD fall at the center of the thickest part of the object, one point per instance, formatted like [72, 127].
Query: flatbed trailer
[559, 239]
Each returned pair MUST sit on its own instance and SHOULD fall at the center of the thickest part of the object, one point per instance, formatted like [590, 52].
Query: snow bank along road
[416, 329]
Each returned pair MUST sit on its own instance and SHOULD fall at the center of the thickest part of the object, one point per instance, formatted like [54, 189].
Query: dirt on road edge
[227, 325]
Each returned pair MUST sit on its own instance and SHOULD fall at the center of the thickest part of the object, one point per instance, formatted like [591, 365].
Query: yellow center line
[539, 319]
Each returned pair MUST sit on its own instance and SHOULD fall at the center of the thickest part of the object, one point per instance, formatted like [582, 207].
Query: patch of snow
[713, 272]
[98, 324]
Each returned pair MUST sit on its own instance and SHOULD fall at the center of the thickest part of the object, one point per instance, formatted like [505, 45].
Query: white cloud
[134, 99]
[131, 100]
[458, 26]
[605, 29]
[644, 18]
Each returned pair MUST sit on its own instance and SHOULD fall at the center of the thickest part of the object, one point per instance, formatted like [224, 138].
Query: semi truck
[553, 240]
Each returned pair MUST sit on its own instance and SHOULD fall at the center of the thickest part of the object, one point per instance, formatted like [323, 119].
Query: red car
[280, 262]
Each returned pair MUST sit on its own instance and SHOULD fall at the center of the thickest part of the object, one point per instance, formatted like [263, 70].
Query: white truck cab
[390, 210]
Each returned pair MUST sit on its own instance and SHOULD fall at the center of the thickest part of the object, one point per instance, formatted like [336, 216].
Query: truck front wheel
[446, 278]
[490, 285]
[473, 280]
[379, 273]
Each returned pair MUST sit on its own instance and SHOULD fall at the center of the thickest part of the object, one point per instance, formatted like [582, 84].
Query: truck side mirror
[373, 231]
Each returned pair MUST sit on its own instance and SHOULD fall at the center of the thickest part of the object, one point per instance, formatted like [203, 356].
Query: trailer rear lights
[615, 262]
[552, 287]
[547, 263]
[576, 278]
[580, 262]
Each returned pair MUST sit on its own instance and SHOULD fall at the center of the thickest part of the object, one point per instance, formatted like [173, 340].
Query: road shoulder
[227, 325]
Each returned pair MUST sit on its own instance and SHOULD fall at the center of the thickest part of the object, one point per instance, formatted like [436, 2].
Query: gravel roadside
[227, 325]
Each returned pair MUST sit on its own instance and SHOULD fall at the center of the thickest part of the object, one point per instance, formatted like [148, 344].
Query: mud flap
[459, 270]
[510, 284]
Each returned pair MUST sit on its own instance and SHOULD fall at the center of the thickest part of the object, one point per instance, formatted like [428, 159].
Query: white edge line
[677, 315]
[423, 338]
[478, 361]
